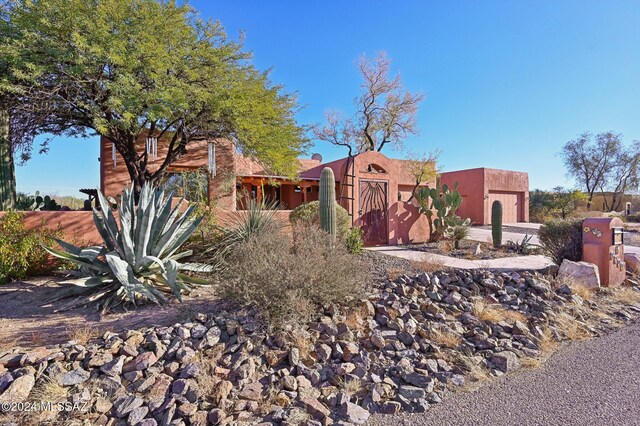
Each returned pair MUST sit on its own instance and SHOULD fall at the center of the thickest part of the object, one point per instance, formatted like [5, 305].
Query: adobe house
[374, 189]
[480, 187]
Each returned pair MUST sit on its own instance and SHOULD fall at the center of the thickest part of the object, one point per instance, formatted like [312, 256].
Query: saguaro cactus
[327, 199]
[7, 170]
[496, 223]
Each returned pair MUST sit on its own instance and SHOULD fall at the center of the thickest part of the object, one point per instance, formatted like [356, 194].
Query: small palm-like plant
[139, 258]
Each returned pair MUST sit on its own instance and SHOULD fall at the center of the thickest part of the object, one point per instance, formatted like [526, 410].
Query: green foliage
[36, 202]
[327, 199]
[139, 258]
[562, 239]
[354, 240]
[560, 202]
[496, 223]
[125, 68]
[21, 252]
[309, 214]
[192, 185]
[460, 232]
[445, 202]
[287, 281]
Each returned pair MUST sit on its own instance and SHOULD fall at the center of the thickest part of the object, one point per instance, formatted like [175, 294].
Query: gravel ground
[632, 238]
[594, 382]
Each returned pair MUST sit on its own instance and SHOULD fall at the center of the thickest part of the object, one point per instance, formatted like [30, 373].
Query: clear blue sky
[507, 83]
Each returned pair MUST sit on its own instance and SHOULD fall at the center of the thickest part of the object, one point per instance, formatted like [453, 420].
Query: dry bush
[288, 280]
[625, 294]
[428, 266]
[48, 389]
[395, 273]
[445, 246]
[8, 345]
[82, 335]
[495, 313]
[570, 327]
[445, 338]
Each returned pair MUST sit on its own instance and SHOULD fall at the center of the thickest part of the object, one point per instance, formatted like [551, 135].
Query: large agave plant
[139, 258]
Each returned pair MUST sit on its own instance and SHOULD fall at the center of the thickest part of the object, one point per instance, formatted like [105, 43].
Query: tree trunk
[7, 166]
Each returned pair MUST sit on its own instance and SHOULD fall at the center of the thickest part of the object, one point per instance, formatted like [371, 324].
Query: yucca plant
[258, 217]
[139, 258]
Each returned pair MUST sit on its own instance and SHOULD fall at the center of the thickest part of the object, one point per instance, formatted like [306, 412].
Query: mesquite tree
[126, 69]
[386, 112]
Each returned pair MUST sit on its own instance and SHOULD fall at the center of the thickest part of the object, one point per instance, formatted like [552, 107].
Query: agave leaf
[172, 234]
[183, 234]
[196, 267]
[68, 247]
[127, 242]
[95, 264]
[192, 280]
[101, 225]
[146, 261]
[92, 252]
[171, 276]
[110, 222]
[164, 213]
[146, 215]
[182, 255]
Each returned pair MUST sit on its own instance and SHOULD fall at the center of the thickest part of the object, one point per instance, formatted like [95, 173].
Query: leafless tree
[385, 115]
[622, 176]
[588, 160]
[423, 168]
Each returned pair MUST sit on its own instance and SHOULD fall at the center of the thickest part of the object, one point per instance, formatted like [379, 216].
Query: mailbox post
[603, 245]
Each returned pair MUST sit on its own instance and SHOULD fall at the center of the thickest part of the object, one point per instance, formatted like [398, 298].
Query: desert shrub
[286, 280]
[635, 217]
[309, 214]
[562, 239]
[460, 232]
[21, 252]
[354, 241]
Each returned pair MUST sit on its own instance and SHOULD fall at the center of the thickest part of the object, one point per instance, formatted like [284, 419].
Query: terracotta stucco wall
[475, 185]
[114, 178]
[472, 188]
[405, 223]
[75, 227]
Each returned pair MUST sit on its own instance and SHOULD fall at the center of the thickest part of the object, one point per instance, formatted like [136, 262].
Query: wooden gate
[374, 212]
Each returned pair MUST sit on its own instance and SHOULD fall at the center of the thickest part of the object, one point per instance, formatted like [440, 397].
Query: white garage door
[511, 206]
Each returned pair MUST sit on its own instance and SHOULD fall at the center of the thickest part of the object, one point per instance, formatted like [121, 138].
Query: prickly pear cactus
[327, 199]
[496, 223]
[445, 202]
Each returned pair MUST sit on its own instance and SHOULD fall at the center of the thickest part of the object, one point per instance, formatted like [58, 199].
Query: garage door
[511, 206]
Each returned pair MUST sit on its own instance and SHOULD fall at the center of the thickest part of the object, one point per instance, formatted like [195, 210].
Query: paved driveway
[594, 382]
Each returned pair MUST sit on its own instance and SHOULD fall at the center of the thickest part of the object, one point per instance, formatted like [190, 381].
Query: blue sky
[507, 83]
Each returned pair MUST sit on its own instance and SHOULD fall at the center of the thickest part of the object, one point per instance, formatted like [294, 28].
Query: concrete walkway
[594, 382]
[484, 235]
[517, 263]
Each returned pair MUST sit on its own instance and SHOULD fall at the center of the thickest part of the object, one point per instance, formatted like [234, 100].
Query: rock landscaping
[407, 344]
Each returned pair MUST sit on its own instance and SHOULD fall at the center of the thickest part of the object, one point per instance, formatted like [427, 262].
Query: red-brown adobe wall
[508, 181]
[472, 188]
[114, 179]
[405, 223]
[475, 185]
[75, 227]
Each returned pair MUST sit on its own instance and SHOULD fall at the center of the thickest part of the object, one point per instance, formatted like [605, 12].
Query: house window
[193, 185]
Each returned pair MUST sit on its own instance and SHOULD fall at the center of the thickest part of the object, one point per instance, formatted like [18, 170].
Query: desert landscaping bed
[471, 250]
[403, 347]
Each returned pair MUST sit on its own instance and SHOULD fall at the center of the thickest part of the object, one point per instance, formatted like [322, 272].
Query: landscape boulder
[584, 273]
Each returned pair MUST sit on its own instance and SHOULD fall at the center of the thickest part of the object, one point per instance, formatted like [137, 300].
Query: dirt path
[594, 382]
[24, 321]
